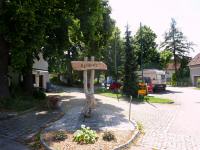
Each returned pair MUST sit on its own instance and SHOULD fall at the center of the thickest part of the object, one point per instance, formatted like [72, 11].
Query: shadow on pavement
[104, 115]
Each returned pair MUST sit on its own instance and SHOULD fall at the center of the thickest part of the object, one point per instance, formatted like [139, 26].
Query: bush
[59, 136]
[108, 136]
[198, 83]
[85, 135]
[39, 94]
[174, 80]
[19, 103]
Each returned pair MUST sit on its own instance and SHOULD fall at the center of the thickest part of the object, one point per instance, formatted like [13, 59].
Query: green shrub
[174, 80]
[60, 136]
[85, 135]
[39, 94]
[108, 136]
[198, 83]
[19, 103]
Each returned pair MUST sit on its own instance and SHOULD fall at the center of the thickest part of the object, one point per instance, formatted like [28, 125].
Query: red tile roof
[171, 66]
[195, 60]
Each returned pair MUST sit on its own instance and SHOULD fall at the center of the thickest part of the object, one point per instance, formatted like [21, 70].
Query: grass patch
[197, 88]
[140, 127]
[152, 99]
[108, 93]
[20, 102]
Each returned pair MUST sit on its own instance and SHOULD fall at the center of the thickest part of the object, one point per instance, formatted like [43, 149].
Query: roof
[171, 66]
[195, 60]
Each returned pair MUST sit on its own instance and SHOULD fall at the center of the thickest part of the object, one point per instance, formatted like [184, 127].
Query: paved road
[14, 131]
[171, 127]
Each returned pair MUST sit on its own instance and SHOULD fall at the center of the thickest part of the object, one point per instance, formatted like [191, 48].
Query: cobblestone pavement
[108, 114]
[22, 127]
[174, 126]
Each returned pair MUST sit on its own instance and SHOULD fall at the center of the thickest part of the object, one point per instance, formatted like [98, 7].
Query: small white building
[40, 72]
[194, 66]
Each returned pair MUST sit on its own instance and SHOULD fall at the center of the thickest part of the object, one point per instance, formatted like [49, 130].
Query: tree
[22, 28]
[146, 47]
[177, 43]
[165, 57]
[130, 66]
[113, 55]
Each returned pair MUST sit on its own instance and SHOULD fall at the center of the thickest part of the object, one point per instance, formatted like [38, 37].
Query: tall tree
[177, 43]
[113, 55]
[130, 66]
[146, 47]
[165, 57]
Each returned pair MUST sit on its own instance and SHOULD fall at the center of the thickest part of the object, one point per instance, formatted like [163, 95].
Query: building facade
[194, 66]
[40, 72]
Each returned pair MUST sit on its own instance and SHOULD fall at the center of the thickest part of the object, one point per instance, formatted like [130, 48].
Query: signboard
[88, 65]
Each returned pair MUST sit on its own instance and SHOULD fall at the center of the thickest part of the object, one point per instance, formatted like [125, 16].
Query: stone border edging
[134, 136]
[43, 142]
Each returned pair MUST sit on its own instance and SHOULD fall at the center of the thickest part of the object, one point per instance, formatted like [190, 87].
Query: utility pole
[115, 57]
[141, 49]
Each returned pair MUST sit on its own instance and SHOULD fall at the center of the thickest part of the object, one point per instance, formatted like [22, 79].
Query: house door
[41, 81]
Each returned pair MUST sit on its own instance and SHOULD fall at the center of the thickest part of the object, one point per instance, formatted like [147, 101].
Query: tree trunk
[90, 99]
[27, 76]
[4, 57]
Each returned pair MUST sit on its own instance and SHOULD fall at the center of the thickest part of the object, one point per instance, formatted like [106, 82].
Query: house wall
[40, 67]
[45, 76]
[194, 73]
[169, 74]
[40, 64]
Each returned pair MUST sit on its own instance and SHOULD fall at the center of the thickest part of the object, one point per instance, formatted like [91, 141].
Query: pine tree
[177, 43]
[130, 76]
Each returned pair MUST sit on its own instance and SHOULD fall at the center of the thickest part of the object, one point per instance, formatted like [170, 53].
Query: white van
[157, 78]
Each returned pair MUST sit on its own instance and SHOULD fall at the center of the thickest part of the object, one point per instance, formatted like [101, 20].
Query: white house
[40, 72]
[194, 66]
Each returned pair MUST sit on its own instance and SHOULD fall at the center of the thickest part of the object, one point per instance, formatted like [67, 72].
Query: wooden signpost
[89, 93]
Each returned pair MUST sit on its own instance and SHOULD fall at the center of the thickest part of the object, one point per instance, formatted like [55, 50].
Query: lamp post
[115, 57]
[141, 49]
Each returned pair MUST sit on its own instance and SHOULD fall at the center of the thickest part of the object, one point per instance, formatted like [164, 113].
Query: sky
[157, 15]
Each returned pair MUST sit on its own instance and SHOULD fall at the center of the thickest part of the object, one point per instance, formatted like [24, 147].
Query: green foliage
[59, 136]
[174, 79]
[114, 53]
[108, 93]
[36, 144]
[19, 103]
[152, 99]
[184, 71]
[130, 67]
[140, 127]
[108, 136]
[165, 57]
[39, 94]
[146, 47]
[177, 43]
[85, 135]
[198, 83]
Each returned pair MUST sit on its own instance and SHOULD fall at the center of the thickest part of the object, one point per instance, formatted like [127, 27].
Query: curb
[43, 142]
[134, 136]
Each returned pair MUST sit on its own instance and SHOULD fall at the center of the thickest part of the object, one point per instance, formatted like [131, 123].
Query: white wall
[40, 64]
[194, 71]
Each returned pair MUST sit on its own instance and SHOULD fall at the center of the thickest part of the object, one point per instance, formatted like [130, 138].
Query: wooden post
[89, 93]
[92, 78]
[85, 78]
